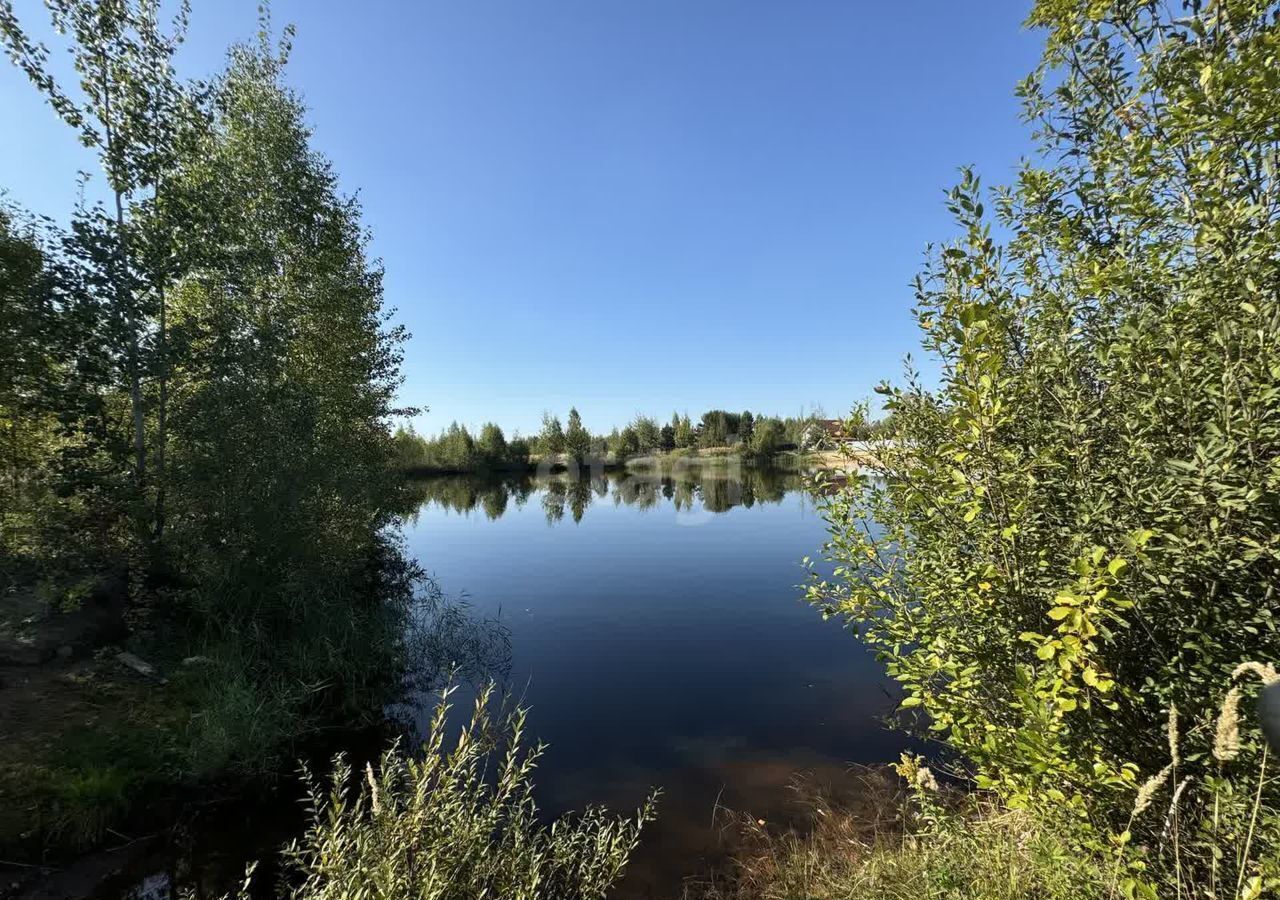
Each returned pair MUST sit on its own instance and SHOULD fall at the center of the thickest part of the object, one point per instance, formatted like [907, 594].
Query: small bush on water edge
[454, 824]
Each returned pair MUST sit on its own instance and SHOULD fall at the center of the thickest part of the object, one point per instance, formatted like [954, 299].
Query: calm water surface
[659, 637]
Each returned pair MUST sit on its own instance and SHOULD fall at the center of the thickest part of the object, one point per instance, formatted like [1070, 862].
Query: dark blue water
[659, 638]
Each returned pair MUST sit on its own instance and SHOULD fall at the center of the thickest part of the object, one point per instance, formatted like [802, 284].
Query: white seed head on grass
[1226, 738]
[1171, 816]
[373, 788]
[1147, 792]
[1266, 673]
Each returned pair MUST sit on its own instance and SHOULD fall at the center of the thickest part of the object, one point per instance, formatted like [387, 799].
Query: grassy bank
[105, 722]
[978, 852]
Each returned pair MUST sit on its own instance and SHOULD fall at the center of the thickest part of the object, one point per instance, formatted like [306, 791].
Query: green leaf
[1206, 78]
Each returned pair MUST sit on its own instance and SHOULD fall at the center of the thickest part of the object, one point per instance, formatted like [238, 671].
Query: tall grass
[919, 845]
[1211, 819]
[454, 823]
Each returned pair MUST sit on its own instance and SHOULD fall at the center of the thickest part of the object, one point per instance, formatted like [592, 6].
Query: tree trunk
[135, 376]
[162, 410]
[124, 292]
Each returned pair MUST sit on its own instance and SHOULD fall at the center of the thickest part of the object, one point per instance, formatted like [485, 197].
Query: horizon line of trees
[455, 449]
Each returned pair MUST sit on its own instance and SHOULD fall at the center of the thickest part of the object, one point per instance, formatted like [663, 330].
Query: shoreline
[787, 460]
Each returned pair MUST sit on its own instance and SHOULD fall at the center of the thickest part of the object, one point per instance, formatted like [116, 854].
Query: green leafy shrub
[454, 824]
[1077, 525]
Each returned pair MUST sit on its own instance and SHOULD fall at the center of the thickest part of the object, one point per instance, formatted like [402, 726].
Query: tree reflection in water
[717, 489]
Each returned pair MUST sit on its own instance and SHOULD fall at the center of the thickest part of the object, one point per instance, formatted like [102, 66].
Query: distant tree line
[456, 450]
[745, 433]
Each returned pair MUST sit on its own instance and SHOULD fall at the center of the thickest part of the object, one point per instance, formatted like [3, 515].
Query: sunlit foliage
[1080, 518]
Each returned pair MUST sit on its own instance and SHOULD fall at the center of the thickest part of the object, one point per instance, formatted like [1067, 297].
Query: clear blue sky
[628, 206]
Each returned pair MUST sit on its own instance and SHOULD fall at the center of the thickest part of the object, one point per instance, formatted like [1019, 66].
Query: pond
[659, 637]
